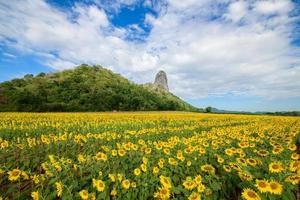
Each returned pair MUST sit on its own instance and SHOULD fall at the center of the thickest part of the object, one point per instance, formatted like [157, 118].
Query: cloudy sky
[234, 55]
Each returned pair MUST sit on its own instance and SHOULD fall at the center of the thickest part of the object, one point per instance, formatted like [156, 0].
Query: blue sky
[233, 55]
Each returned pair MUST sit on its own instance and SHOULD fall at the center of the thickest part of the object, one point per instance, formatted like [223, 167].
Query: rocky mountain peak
[161, 80]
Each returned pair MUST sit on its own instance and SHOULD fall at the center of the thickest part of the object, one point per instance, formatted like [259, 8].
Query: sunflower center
[15, 173]
[275, 166]
[164, 191]
[252, 194]
[262, 184]
[273, 186]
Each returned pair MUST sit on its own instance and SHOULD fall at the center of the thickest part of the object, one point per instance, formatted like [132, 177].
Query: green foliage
[84, 88]
[291, 113]
[208, 109]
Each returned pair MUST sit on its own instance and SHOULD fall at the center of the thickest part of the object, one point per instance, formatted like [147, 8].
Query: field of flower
[148, 156]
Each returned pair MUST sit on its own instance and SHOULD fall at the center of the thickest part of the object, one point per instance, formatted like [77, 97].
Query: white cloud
[237, 10]
[273, 6]
[244, 50]
[92, 16]
[113, 5]
[185, 4]
[149, 19]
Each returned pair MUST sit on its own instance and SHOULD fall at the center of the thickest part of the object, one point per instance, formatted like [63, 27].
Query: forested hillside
[85, 88]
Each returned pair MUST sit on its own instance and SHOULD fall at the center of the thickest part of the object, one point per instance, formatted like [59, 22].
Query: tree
[208, 109]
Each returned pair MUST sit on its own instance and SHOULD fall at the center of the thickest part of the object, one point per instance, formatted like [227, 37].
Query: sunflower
[275, 187]
[294, 165]
[167, 151]
[155, 170]
[99, 185]
[158, 146]
[252, 145]
[101, 156]
[276, 167]
[172, 161]
[292, 147]
[35, 195]
[202, 151]
[114, 152]
[126, 184]
[35, 179]
[234, 166]
[294, 179]
[249, 194]
[121, 152]
[120, 177]
[160, 163]
[262, 185]
[245, 176]
[180, 155]
[84, 194]
[148, 150]
[145, 160]
[208, 168]
[188, 150]
[59, 189]
[242, 161]
[14, 174]
[113, 192]
[144, 167]
[194, 196]
[100, 173]
[201, 188]
[252, 161]
[112, 177]
[189, 183]
[263, 153]
[92, 196]
[133, 184]
[165, 181]
[198, 179]
[127, 146]
[205, 144]
[25, 175]
[228, 152]
[81, 158]
[137, 171]
[227, 168]
[240, 151]
[295, 156]
[220, 159]
[277, 150]
[242, 155]
[163, 193]
[243, 144]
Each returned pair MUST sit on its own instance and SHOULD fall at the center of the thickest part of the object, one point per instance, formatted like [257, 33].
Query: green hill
[85, 88]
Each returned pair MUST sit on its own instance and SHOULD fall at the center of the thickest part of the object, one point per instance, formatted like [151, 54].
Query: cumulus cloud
[273, 6]
[237, 10]
[207, 48]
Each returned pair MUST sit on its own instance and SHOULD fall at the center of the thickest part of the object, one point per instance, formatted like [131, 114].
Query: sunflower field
[148, 155]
